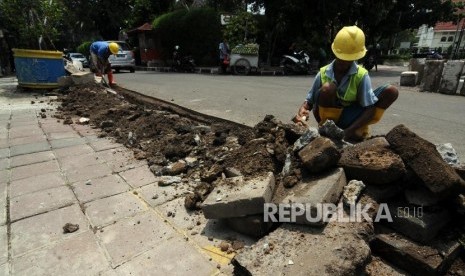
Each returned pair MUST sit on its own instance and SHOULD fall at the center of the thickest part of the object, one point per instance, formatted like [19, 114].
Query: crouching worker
[342, 90]
[100, 51]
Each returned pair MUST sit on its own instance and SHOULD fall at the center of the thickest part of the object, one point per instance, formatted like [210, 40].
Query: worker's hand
[301, 117]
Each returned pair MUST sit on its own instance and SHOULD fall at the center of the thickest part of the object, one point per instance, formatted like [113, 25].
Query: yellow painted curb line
[217, 255]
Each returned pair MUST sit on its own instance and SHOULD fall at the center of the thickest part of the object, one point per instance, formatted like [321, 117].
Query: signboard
[225, 19]
[404, 45]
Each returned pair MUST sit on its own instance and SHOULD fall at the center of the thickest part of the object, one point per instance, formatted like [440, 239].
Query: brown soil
[164, 133]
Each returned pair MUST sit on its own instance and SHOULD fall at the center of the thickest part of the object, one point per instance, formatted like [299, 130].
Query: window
[450, 39]
[443, 39]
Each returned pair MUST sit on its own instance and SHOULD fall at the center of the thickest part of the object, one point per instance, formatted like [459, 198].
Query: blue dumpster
[38, 69]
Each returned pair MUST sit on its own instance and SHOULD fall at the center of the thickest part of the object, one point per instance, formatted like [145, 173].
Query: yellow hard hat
[349, 44]
[114, 47]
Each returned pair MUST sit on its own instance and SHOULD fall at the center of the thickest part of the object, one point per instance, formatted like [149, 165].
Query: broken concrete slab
[451, 76]
[234, 197]
[319, 155]
[378, 266]
[418, 65]
[408, 78]
[434, 259]
[420, 196]
[253, 225]
[416, 222]
[312, 191]
[423, 158]
[352, 192]
[331, 130]
[432, 76]
[448, 153]
[80, 78]
[372, 162]
[336, 249]
[309, 135]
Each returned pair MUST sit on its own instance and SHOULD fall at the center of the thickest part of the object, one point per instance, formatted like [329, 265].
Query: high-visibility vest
[350, 95]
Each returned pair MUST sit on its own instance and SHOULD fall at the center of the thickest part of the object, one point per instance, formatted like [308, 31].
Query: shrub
[84, 48]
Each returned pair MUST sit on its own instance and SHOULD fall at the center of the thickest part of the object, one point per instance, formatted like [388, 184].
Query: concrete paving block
[4, 141]
[319, 155]
[54, 127]
[421, 196]
[173, 257]
[146, 230]
[40, 202]
[3, 202]
[4, 164]
[408, 78]
[62, 135]
[336, 249]
[73, 151]
[432, 77]
[451, 76]
[32, 158]
[95, 188]
[79, 161]
[423, 158]
[25, 131]
[372, 162]
[27, 140]
[238, 198]
[138, 177]
[417, 223]
[5, 269]
[324, 188]
[80, 78]
[253, 225]
[432, 259]
[34, 170]
[88, 172]
[104, 145]
[36, 183]
[418, 65]
[67, 142]
[3, 244]
[156, 195]
[79, 255]
[378, 266]
[29, 148]
[44, 229]
[105, 211]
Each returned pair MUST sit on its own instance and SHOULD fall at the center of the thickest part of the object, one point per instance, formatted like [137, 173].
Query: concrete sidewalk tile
[4, 164]
[3, 244]
[84, 130]
[104, 144]
[130, 237]
[67, 142]
[29, 148]
[156, 195]
[139, 176]
[108, 210]
[27, 140]
[192, 221]
[25, 131]
[28, 122]
[32, 158]
[38, 231]
[40, 202]
[73, 150]
[62, 135]
[4, 153]
[3, 200]
[36, 183]
[34, 169]
[4, 142]
[92, 138]
[86, 173]
[56, 127]
[99, 188]
[170, 257]
[79, 161]
[79, 255]
[121, 153]
[5, 269]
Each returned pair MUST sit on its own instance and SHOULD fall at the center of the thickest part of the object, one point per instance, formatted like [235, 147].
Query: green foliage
[247, 49]
[242, 29]
[196, 31]
[84, 47]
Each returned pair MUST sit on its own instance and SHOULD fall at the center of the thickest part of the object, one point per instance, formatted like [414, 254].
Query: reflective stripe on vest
[350, 95]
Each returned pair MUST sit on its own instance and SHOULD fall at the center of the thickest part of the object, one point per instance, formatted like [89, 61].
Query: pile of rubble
[260, 181]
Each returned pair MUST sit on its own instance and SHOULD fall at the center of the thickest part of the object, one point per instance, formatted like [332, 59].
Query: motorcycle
[183, 63]
[298, 63]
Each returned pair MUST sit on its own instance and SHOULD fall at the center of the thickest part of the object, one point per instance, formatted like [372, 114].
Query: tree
[242, 29]
[146, 10]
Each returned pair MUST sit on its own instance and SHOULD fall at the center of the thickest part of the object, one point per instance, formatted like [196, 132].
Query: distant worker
[100, 51]
[342, 90]
[224, 55]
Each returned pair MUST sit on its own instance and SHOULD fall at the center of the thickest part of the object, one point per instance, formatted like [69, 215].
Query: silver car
[78, 56]
[124, 59]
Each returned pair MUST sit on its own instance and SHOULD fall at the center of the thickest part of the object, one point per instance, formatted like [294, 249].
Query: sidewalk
[52, 174]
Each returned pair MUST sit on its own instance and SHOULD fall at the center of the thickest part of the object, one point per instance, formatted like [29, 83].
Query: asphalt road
[247, 99]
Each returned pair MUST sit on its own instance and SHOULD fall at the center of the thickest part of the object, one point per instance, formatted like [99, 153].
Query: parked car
[78, 56]
[124, 59]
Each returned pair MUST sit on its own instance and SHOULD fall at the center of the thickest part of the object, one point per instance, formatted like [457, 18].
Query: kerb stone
[319, 155]
[236, 198]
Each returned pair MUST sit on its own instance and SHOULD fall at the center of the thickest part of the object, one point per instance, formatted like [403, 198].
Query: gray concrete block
[451, 76]
[416, 222]
[80, 78]
[372, 162]
[319, 155]
[408, 78]
[253, 225]
[418, 65]
[240, 198]
[432, 77]
[417, 259]
[325, 188]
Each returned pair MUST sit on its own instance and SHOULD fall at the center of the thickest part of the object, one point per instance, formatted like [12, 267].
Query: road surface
[247, 99]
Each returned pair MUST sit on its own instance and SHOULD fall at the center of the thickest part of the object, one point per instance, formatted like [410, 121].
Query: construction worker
[100, 51]
[342, 90]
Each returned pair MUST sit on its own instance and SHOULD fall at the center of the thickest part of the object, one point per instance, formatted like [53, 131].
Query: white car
[124, 59]
[79, 57]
